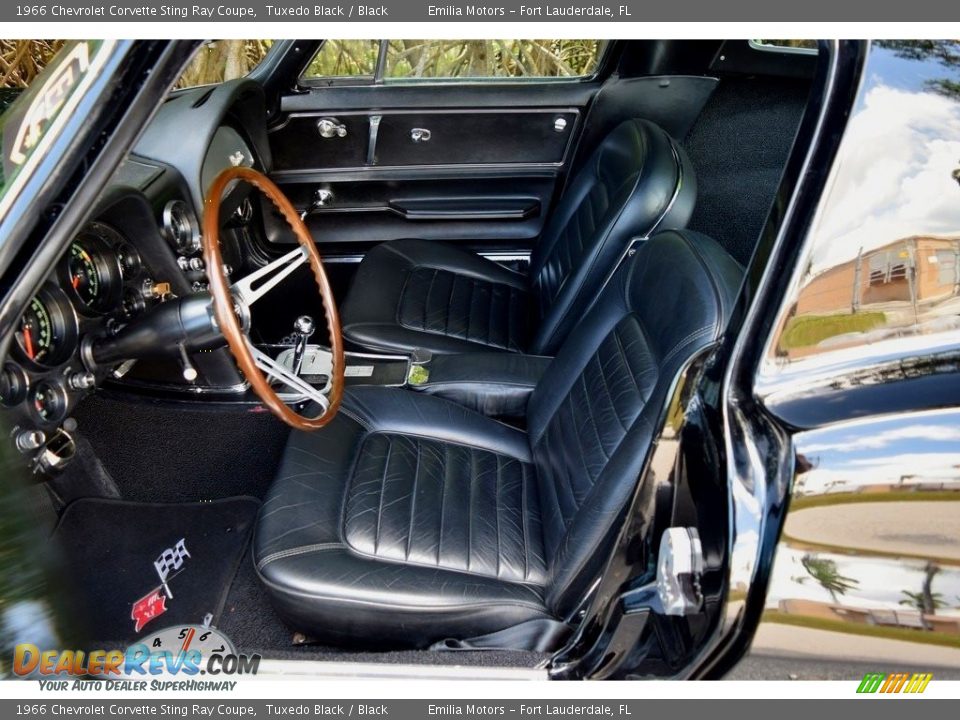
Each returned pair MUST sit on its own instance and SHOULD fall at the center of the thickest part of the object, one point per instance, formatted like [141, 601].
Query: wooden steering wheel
[231, 304]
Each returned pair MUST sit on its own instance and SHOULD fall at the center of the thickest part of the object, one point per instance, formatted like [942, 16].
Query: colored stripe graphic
[894, 683]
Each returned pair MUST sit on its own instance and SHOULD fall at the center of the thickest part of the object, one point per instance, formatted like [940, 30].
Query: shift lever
[302, 330]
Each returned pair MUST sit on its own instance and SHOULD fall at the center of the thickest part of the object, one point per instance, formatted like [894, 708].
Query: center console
[492, 383]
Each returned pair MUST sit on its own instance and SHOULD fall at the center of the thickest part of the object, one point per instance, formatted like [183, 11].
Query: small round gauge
[133, 303]
[49, 402]
[181, 228]
[48, 329]
[130, 262]
[13, 385]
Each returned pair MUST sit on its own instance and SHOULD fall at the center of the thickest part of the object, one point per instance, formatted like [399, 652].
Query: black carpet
[164, 453]
[108, 548]
[739, 147]
[250, 621]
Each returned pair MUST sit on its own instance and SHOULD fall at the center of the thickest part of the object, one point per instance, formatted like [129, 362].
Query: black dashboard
[141, 247]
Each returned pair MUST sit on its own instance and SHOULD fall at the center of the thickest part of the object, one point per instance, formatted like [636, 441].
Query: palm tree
[926, 601]
[927, 605]
[827, 575]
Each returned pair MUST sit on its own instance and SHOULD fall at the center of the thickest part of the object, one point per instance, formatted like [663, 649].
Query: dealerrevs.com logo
[892, 683]
[185, 651]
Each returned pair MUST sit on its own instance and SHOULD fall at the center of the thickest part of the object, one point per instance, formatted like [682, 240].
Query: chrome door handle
[331, 127]
[419, 135]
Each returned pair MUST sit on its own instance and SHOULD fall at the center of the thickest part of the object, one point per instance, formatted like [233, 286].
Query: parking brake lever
[303, 328]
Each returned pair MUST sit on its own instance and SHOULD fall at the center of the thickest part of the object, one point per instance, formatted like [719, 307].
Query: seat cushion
[407, 520]
[419, 294]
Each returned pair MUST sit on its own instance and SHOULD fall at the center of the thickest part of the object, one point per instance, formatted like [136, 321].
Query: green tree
[827, 575]
[944, 52]
[926, 601]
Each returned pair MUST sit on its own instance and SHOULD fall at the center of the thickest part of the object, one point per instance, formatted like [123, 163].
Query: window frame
[254, 72]
[763, 47]
[378, 79]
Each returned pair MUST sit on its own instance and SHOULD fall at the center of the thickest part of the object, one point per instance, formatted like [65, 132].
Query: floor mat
[146, 448]
[116, 553]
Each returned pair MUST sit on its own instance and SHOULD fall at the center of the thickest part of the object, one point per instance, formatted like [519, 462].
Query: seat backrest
[636, 181]
[593, 414]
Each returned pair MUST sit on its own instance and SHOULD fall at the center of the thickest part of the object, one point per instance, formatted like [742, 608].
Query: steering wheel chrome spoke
[266, 374]
[258, 283]
[273, 369]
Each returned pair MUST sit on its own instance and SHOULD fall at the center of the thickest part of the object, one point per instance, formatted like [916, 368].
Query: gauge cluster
[100, 283]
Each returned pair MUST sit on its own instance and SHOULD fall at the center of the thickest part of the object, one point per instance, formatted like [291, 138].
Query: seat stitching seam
[443, 495]
[593, 421]
[623, 355]
[300, 550]
[583, 455]
[516, 603]
[714, 285]
[682, 343]
[426, 300]
[350, 414]
[413, 503]
[523, 522]
[473, 481]
[383, 485]
[510, 304]
[350, 549]
[489, 328]
[444, 441]
[496, 511]
[446, 317]
[396, 313]
[445, 568]
[606, 387]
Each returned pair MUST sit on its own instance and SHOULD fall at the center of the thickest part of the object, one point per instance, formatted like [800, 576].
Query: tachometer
[92, 273]
[84, 274]
[48, 329]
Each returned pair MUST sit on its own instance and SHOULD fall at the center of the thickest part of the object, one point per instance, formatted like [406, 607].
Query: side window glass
[344, 58]
[491, 59]
[468, 60]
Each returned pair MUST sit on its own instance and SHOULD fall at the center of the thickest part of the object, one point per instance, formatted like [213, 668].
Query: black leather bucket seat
[410, 519]
[419, 294]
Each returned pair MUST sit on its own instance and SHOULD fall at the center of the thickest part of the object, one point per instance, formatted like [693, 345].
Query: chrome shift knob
[304, 325]
[303, 328]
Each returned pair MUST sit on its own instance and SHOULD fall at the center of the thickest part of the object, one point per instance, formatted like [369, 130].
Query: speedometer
[37, 333]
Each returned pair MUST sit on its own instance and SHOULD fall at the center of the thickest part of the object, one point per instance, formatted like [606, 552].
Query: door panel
[485, 177]
[475, 137]
[498, 211]
[453, 137]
